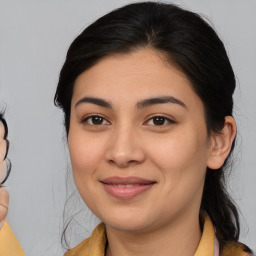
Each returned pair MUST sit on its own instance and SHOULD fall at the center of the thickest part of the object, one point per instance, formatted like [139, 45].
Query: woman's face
[138, 141]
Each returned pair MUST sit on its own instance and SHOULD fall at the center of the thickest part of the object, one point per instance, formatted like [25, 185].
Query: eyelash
[169, 121]
[166, 119]
[85, 120]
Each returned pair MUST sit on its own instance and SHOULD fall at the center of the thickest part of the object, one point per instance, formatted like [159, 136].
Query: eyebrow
[141, 104]
[159, 100]
[96, 101]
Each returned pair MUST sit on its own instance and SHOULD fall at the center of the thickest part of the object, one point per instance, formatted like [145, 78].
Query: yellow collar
[206, 245]
[95, 245]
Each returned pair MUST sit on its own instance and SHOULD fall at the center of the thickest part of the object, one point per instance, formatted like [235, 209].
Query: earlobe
[221, 144]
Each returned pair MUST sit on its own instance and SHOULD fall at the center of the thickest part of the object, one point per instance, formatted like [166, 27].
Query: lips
[126, 187]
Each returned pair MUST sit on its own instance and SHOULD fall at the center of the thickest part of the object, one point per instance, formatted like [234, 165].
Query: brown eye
[160, 121]
[95, 120]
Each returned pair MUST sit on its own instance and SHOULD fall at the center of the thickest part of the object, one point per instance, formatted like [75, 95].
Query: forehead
[130, 77]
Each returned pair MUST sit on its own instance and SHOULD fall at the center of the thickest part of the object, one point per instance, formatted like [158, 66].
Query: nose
[125, 148]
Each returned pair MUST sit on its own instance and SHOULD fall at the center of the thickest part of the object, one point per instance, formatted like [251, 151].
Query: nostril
[111, 161]
[124, 163]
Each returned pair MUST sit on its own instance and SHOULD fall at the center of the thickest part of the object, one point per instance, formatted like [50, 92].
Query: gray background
[34, 37]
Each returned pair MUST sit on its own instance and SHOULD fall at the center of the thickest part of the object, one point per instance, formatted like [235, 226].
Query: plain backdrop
[34, 38]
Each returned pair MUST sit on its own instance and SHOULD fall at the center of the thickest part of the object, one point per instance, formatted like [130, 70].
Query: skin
[128, 141]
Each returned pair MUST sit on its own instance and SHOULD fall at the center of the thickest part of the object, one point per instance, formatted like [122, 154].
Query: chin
[126, 226]
[127, 221]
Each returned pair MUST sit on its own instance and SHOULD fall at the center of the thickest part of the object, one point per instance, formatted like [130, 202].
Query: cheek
[182, 159]
[84, 154]
[182, 162]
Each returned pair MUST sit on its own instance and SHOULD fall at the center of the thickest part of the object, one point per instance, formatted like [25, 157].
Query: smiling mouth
[126, 188]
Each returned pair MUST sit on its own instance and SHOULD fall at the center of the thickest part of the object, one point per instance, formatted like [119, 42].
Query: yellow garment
[206, 245]
[95, 245]
[92, 246]
[9, 245]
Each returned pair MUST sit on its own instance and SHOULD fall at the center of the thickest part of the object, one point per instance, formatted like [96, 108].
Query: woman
[146, 92]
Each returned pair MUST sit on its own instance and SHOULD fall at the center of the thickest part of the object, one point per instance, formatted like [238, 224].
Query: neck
[179, 238]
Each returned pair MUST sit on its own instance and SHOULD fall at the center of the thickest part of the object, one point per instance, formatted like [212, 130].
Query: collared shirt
[95, 245]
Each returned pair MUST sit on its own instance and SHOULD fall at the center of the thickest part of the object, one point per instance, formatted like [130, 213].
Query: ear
[220, 144]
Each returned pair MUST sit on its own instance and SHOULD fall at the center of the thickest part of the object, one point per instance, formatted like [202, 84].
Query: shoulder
[9, 245]
[79, 248]
[236, 249]
[93, 246]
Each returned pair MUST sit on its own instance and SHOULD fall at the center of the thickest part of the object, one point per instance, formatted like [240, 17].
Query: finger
[4, 203]
[3, 149]
[4, 197]
[2, 130]
[3, 171]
